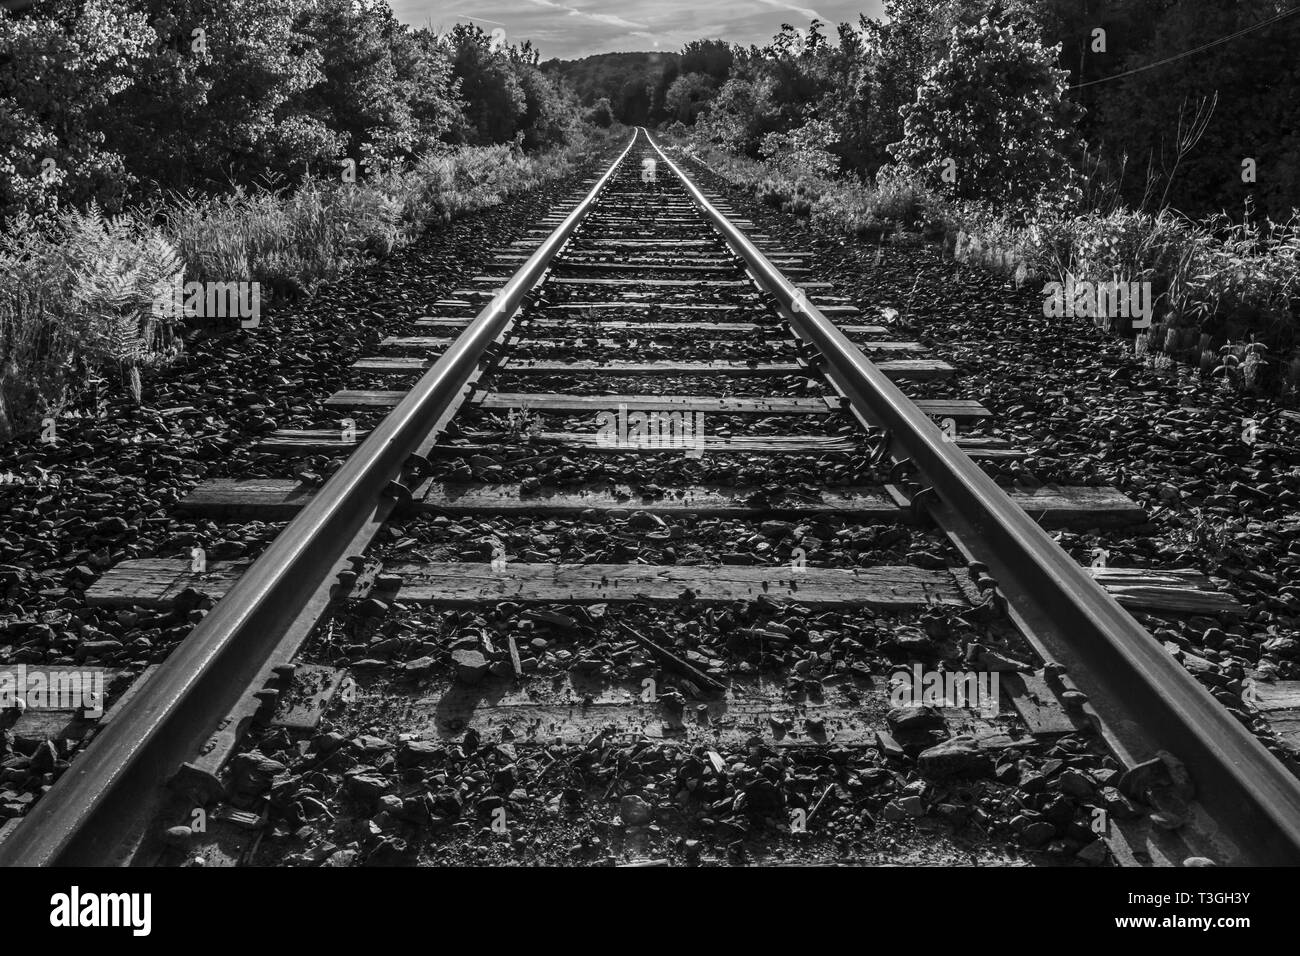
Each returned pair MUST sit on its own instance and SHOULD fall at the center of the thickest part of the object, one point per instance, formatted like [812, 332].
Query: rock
[367, 786]
[1074, 783]
[760, 798]
[635, 811]
[470, 666]
[904, 720]
[419, 753]
[954, 757]
[1037, 833]
[253, 773]
[912, 642]
[912, 806]
[419, 666]
[1094, 854]
[179, 836]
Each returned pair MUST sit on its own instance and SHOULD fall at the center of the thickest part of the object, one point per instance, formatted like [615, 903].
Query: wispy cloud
[808, 12]
[576, 28]
[608, 18]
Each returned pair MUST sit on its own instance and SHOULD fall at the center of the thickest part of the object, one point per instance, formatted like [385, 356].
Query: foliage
[688, 96]
[992, 118]
[600, 115]
[120, 102]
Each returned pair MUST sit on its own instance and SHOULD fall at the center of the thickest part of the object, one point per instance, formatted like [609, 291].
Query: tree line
[1201, 133]
[117, 101]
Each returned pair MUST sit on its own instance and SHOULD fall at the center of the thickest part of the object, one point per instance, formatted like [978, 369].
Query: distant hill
[623, 77]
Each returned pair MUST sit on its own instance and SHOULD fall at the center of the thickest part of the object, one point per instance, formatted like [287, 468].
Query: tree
[548, 112]
[991, 121]
[213, 102]
[494, 99]
[688, 97]
[712, 58]
[600, 114]
[739, 116]
[60, 69]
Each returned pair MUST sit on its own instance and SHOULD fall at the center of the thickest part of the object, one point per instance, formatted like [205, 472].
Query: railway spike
[399, 493]
[920, 499]
[900, 468]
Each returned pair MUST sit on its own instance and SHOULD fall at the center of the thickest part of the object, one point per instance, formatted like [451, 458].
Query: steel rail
[84, 816]
[1150, 702]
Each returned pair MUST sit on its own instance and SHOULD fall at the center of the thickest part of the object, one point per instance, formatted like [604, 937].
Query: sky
[575, 28]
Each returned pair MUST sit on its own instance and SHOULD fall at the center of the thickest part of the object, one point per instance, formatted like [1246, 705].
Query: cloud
[609, 18]
[576, 28]
[808, 12]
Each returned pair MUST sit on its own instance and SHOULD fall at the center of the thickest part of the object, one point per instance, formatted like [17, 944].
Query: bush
[76, 298]
[992, 116]
[600, 115]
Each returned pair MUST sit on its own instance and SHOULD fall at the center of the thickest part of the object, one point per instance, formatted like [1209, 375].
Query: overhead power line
[1200, 49]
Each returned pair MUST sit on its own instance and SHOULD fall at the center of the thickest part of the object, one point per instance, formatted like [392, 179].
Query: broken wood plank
[1037, 704]
[1178, 591]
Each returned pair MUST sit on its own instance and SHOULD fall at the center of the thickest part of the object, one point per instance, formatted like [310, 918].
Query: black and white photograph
[850, 445]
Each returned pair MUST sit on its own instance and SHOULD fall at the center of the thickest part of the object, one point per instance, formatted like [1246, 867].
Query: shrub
[77, 297]
[993, 113]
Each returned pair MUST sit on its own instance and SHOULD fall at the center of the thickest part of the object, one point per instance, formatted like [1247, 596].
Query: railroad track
[643, 484]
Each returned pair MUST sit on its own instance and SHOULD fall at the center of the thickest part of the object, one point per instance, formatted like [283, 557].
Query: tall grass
[76, 298]
[840, 205]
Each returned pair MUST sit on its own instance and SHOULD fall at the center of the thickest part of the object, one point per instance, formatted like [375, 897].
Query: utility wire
[1205, 46]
